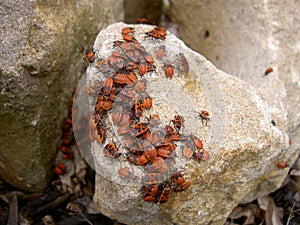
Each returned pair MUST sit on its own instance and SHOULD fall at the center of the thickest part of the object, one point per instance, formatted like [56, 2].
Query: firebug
[90, 56]
[125, 173]
[152, 178]
[169, 69]
[269, 70]
[198, 143]
[129, 38]
[107, 86]
[204, 116]
[202, 155]
[147, 100]
[141, 20]
[183, 64]
[165, 195]
[137, 159]
[183, 186]
[178, 178]
[60, 169]
[160, 51]
[151, 189]
[127, 30]
[178, 121]
[111, 150]
[282, 165]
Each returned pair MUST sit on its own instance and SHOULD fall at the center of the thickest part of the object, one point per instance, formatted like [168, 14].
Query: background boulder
[41, 62]
[244, 39]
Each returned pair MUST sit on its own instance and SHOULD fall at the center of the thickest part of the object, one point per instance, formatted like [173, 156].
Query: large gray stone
[244, 145]
[244, 39]
[41, 62]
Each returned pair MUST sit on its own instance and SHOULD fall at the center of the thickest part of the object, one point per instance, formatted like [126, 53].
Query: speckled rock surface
[243, 144]
[40, 64]
[244, 39]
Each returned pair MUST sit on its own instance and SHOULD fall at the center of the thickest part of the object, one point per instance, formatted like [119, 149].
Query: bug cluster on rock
[122, 96]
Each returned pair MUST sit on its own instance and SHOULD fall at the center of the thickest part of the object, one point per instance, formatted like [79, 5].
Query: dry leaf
[273, 214]
[295, 172]
[48, 220]
[76, 170]
[249, 211]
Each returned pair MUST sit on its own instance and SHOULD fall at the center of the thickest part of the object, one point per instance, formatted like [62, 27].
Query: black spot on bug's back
[273, 123]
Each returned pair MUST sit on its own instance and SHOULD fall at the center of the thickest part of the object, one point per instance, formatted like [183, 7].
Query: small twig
[13, 210]
[83, 217]
[291, 216]
[263, 220]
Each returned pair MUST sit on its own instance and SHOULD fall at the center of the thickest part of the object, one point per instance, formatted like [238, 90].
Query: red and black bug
[183, 186]
[111, 150]
[152, 178]
[117, 113]
[160, 52]
[139, 128]
[102, 65]
[129, 38]
[154, 120]
[140, 85]
[118, 43]
[117, 60]
[148, 57]
[142, 68]
[183, 64]
[165, 194]
[98, 134]
[178, 177]
[157, 165]
[147, 100]
[169, 69]
[141, 20]
[107, 86]
[151, 189]
[282, 165]
[204, 116]
[178, 121]
[119, 78]
[127, 30]
[269, 70]
[158, 33]
[198, 143]
[89, 55]
[67, 152]
[125, 173]
[202, 155]
[167, 151]
[137, 159]
[60, 169]
[138, 108]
